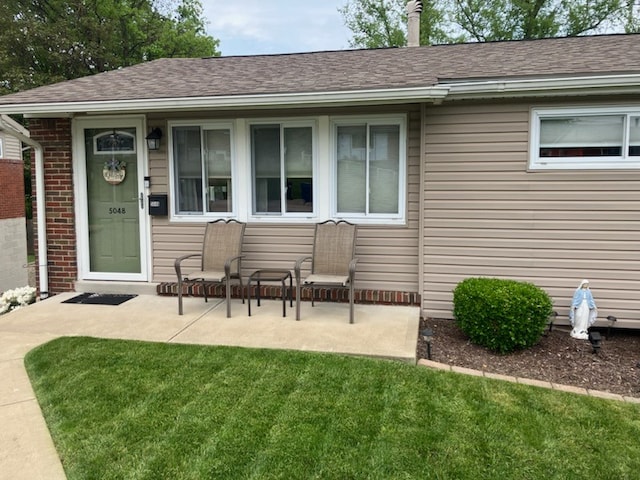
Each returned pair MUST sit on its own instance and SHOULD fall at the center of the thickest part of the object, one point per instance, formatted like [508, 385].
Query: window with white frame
[370, 162]
[202, 167]
[282, 168]
[594, 138]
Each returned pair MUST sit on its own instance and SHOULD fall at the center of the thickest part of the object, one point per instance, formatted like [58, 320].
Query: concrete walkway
[26, 448]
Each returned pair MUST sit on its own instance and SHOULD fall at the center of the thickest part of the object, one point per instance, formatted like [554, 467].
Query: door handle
[141, 201]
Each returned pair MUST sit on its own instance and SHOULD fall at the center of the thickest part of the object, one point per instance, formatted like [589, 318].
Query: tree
[46, 41]
[488, 20]
[381, 23]
[451, 21]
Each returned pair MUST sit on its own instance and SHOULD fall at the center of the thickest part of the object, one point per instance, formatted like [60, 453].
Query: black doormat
[100, 299]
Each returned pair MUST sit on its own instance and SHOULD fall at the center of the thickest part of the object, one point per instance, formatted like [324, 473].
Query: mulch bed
[557, 358]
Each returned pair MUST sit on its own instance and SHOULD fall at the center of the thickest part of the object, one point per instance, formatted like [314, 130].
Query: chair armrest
[298, 266]
[227, 264]
[179, 261]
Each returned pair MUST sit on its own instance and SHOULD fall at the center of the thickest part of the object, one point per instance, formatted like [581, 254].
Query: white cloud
[276, 26]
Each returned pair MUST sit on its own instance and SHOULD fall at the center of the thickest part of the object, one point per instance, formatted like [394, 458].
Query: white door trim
[80, 192]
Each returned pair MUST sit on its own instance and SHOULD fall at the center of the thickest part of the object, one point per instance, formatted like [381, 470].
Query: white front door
[109, 158]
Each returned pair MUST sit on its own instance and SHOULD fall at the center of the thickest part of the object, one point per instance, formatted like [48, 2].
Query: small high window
[585, 139]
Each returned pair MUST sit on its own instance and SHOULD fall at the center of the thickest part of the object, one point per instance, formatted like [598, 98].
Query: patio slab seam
[527, 381]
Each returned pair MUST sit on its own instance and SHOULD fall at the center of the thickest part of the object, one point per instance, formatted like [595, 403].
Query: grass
[136, 410]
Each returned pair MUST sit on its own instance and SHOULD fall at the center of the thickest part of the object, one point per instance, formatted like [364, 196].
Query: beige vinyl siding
[388, 255]
[486, 215]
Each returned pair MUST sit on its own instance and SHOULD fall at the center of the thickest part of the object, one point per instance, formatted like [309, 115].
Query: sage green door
[113, 201]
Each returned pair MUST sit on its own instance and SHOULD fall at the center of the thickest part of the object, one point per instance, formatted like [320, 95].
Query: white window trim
[324, 172]
[385, 218]
[1, 149]
[624, 161]
[204, 216]
[317, 196]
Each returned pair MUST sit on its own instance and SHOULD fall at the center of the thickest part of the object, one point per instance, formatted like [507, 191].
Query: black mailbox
[158, 204]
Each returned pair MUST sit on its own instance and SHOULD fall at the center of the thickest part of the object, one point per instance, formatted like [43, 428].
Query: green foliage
[136, 410]
[501, 315]
[46, 41]
[382, 23]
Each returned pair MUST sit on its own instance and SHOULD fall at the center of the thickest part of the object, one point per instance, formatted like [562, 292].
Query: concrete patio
[26, 448]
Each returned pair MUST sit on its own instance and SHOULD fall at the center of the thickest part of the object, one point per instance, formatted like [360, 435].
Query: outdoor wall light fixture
[153, 139]
[427, 335]
[596, 341]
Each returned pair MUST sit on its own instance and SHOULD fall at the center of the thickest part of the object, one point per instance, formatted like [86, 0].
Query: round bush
[501, 315]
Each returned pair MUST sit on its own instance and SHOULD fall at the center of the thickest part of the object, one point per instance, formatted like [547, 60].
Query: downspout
[6, 124]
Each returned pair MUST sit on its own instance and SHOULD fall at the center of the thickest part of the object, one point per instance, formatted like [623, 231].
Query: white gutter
[381, 96]
[603, 84]
[17, 131]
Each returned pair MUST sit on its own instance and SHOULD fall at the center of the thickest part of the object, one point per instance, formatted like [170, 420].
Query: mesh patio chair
[332, 262]
[221, 260]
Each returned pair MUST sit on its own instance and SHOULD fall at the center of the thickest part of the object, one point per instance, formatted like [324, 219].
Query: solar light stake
[596, 341]
[427, 335]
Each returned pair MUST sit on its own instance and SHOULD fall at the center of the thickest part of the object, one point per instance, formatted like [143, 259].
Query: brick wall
[12, 188]
[54, 134]
[13, 239]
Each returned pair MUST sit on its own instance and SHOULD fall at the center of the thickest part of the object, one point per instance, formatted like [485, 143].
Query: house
[13, 236]
[512, 159]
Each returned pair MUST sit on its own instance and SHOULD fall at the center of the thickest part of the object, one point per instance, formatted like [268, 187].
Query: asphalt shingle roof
[347, 70]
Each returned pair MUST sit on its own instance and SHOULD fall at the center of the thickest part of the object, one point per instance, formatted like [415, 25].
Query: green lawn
[135, 410]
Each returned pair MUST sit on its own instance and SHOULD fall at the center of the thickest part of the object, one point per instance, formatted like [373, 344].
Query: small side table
[272, 275]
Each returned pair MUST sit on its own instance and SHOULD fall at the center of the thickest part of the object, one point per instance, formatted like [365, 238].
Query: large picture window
[304, 169]
[203, 181]
[370, 163]
[585, 139]
[282, 168]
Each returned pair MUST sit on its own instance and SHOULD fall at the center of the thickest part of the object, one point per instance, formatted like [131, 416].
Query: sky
[251, 27]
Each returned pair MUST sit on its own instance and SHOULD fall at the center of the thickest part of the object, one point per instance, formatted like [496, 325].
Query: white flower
[16, 298]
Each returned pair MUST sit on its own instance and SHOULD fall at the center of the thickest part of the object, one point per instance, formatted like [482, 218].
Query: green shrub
[501, 315]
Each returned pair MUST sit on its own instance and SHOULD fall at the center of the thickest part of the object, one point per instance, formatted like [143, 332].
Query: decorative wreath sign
[114, 171]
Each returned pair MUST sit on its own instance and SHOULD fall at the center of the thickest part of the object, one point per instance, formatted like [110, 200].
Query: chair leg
[228, 294]
[179, 296]
[204, 291]
[297, 299]
[350, 302]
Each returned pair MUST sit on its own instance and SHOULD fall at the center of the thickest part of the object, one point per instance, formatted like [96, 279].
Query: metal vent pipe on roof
[414, 9]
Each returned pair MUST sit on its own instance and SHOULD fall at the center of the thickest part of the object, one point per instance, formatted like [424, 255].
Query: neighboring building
[509, 159]
[13, 236]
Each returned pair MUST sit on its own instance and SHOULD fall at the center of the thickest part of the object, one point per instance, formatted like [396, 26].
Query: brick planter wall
[54, 134]
[381, 297]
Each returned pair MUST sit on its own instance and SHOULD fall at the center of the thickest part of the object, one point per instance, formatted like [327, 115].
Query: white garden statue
[583, 312]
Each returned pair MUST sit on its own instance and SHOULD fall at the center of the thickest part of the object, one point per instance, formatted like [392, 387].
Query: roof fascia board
[604, 84]
[433, 94]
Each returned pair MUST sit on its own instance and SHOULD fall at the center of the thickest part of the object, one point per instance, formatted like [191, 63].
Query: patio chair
[332, 262]
[221, 260]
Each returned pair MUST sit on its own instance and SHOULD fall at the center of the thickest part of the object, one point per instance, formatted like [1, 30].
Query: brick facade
[12, 188]
[54, 134]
